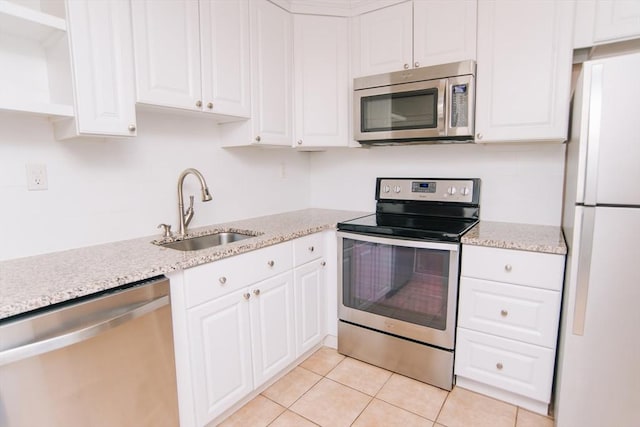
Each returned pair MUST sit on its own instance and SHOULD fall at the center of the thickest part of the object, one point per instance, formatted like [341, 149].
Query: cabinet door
[605, 21]
[321, 81]
[443, 31]
[385, 39]
[272, 326]
[271, 94]
[524, 70]
[167, 50]
[102, 58]
[224, 30]
[220, 341]
[310, 290]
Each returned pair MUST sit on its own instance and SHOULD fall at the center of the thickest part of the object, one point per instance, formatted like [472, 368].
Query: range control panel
[427, 189]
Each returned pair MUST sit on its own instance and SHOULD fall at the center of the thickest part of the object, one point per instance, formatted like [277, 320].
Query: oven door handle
[422, 244]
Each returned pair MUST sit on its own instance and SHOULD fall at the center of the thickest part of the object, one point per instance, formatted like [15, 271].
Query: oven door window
[403, 283]
[400, 111]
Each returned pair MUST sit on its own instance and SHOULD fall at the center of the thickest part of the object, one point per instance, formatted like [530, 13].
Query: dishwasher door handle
[79, 334]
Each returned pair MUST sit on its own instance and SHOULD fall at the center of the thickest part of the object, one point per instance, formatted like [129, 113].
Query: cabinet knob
[499, 366]
[258, 138]
[246, 296]
[271, 263]
[416, 64]
[222, 280]
[508, 268]
[478, 136]
[210, 105]
[299, 142]
[198, 103]
[256, 292]
[323, 263]
[132, 128]
[311, 249]
[406, 66]
[504, 313]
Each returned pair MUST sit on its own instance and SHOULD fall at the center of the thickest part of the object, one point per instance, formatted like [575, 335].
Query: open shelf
[39, 109]
[29, 23]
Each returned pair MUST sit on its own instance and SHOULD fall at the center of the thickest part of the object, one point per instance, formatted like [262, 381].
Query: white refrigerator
[598, 370]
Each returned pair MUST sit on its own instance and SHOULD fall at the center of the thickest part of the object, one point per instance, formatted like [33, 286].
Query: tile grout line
[444, 402]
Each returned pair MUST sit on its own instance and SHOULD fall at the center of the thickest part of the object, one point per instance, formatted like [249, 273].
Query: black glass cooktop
[410, 226]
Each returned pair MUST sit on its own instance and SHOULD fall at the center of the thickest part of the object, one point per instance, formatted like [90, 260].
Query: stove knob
[386, 188]
[464, 191]
[451, 190]
[397, 188]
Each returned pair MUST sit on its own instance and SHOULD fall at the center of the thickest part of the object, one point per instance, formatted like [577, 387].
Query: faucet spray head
[206, 196]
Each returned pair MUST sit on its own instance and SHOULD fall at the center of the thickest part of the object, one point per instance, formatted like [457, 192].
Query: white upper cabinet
[193, 55]
[606, 21]
[271, 46]
[102, 69]
[385, 39]
[167, 48]
[523, 70]
[226, 78]
[321, 77]
[443, 31]
[414, 34]
[271, 50]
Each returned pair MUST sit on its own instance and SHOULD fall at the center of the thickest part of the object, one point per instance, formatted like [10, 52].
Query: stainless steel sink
[206, 241]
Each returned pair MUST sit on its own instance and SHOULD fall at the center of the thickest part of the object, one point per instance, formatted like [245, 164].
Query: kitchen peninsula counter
[39, 281]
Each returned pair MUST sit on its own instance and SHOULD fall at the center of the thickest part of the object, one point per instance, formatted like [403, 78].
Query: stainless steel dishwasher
[103, 360]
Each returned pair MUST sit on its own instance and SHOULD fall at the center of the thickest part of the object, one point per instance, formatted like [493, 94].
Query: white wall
[520, 182]
[113, 189]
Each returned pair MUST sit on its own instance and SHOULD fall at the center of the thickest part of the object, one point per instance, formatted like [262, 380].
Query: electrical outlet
[283, 170]
[37, 177]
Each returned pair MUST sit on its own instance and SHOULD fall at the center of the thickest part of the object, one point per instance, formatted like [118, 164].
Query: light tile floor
[329, 389]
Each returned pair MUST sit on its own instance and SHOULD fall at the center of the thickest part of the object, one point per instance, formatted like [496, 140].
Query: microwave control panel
[460, 105]
[426, 189]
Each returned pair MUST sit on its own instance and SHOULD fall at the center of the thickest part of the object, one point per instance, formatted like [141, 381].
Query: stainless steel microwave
[421, 105]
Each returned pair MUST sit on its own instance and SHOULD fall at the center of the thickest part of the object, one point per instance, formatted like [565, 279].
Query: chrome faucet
[185, 217]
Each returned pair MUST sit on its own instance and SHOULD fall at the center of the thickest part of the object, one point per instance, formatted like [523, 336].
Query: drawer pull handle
[504, 313]
[311, 249]
[256, 292]
[222, 280]
[508, 268]
[499, 366]
[271, 263]
[323, 263]
[246, 296]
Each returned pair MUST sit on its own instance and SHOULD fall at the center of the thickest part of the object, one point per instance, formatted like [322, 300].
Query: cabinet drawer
[535, 269]
[517, 367]
[511, 311]
[307, 248]
[218, 278]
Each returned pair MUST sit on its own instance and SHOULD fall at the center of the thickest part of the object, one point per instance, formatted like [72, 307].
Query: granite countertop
[524, 237]
[34, 282]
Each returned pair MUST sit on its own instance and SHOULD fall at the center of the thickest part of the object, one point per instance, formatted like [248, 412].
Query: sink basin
[207, 241]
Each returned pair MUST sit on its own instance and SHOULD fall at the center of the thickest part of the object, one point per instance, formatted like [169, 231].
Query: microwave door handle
[443, 114]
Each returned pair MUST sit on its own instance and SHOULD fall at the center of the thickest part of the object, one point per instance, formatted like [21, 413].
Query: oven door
[407, 288]
[404, 111]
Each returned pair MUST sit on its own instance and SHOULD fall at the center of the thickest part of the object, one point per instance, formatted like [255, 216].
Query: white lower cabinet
[310, 304]
[241, 321]
[220, 348]
[508, 319]
[271, 311]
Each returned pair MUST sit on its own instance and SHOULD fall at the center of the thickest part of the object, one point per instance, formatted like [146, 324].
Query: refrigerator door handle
[593, 135]
[584, 270]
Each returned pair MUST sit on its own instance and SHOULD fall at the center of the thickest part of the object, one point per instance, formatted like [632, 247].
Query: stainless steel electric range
[398, 276]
